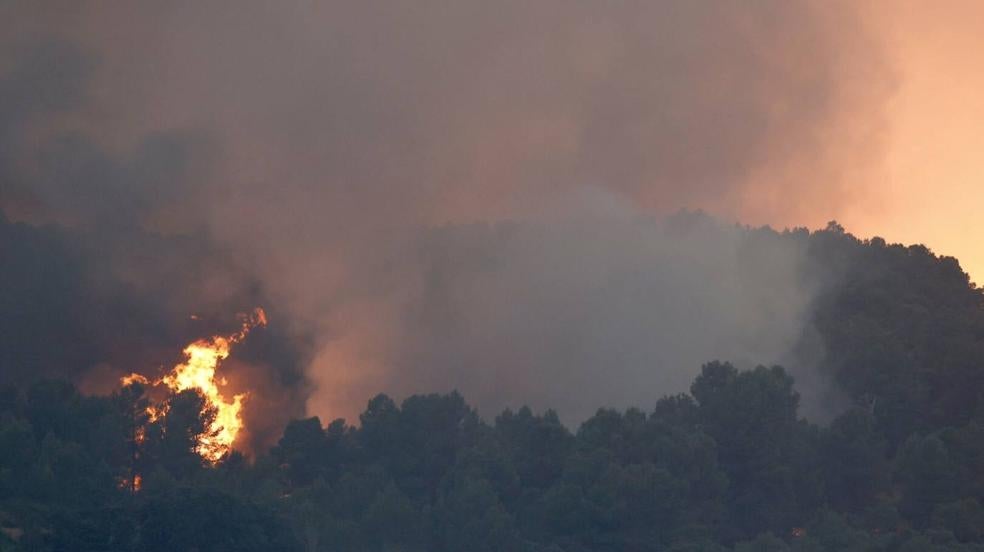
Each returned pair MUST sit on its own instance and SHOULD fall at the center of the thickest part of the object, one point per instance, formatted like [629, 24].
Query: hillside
[731, 465]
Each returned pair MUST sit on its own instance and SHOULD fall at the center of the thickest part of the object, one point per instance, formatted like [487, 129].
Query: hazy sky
[452, 193]
[933, 184]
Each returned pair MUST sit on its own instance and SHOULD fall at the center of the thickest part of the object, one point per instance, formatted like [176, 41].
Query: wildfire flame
[133, 484]
[134, 378]
[197, 372]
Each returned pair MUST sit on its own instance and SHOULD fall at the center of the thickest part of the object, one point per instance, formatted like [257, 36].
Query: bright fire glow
[133, 378]
[197, 372]
[133, 485]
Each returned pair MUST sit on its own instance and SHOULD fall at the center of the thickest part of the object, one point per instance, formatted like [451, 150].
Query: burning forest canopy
[502, 216]
[198, 373]
[730, 465]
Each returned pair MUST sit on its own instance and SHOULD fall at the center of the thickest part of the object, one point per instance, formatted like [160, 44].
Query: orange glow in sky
[934, 178]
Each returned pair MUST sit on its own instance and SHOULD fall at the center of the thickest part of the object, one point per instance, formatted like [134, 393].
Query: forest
[733, 465]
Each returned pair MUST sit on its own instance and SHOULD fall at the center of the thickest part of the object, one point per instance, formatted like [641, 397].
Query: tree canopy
[730, 466]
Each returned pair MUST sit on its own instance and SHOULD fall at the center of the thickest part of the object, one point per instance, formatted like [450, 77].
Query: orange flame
[197, 372]
[133, 485]
[133, 378]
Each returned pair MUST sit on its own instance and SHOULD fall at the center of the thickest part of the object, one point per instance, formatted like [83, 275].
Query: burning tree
[195, 409]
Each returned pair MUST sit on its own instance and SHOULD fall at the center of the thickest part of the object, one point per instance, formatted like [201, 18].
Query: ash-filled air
[428, 196]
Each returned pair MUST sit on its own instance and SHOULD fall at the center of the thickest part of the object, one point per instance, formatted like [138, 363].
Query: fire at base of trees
[729, 466]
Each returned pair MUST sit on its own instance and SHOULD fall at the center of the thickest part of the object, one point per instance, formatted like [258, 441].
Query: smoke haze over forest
[433, 195]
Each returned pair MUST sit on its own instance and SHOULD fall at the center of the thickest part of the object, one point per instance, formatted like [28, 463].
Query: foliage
[730, 466]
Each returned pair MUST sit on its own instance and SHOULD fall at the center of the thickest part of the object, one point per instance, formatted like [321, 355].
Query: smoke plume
[429, 195]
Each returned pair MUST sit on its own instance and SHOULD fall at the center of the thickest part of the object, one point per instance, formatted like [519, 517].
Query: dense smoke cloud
[605, 310]
[442, 194]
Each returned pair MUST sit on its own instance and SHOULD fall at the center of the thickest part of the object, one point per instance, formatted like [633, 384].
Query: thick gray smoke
[616, 309]
[453, 194]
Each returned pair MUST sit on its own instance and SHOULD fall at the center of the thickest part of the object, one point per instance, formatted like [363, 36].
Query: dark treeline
[731, 465]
